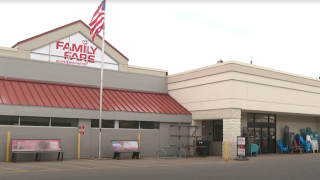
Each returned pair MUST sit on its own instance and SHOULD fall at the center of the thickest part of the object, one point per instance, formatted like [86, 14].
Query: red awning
[26, 93]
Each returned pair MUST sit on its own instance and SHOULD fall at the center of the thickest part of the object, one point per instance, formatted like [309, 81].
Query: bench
[37, 146]
[119, 147]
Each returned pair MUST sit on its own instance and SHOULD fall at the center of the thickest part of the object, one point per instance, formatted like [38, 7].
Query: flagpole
[101, 83]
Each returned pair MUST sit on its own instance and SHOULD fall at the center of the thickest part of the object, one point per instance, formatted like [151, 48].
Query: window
[250, 132]
[262, 118]
[250, 117]
[34, 121]
[64, 122]
[9, 120]
[129, 124]
[217, 130]
[104, 123]
[272, 118]
[149, 125]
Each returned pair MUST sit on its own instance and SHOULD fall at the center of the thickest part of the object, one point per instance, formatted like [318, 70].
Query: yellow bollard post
[226, 151]
[139, 142]
[8, 146]
[78, 145]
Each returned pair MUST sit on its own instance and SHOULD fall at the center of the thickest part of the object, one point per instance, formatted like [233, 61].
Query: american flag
[97, 21]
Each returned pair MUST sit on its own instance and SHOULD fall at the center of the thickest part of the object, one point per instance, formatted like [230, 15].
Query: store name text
[78, 52]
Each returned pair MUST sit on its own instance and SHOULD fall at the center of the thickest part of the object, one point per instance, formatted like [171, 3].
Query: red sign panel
[81, 130]
[35, 145]
[241, 146]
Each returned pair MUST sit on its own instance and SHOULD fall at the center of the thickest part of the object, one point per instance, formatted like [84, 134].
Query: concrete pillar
[198, 132]
[231, 125]
[231, 129]
[116, 124]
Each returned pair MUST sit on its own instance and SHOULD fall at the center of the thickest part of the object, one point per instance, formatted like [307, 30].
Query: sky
[183, 35]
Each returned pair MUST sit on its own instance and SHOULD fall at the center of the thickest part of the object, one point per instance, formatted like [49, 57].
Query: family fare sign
[74, 49]
[77, 52]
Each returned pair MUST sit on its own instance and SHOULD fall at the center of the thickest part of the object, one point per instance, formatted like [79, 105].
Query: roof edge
[8, 49]
[146, 68]
[79, 21]
[243, 64]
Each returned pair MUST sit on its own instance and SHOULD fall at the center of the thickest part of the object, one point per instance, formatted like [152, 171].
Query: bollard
[78, 145]
[8, 146]
[139, 143]
[226, 151]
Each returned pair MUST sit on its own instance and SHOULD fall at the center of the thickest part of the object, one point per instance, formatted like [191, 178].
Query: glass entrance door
[272, 140]
[262, 131]
[264, 140]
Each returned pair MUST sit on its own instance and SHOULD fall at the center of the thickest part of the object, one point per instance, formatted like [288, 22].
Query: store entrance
[263, 136]
[262, 131]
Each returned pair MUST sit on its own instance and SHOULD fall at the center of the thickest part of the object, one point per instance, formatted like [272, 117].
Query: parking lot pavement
[89, 164]
[262, 167]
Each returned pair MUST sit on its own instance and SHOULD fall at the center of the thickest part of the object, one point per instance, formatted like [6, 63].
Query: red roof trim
[70, 96]
[74, 85]
[64, 27]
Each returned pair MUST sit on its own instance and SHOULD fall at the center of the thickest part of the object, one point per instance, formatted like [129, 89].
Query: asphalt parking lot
[89, 164]
[276, 166]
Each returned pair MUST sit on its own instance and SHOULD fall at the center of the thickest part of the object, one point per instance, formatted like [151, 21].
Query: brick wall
[231, 129]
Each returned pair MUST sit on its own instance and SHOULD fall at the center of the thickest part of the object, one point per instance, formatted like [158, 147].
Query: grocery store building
[44, 94]
[230, 96]
[49, 86]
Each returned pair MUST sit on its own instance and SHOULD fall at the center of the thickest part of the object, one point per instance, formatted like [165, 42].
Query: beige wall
[144, 70]
[295, 124]
[318, 124]
[205, 96]
[246, 87]
[10, 52]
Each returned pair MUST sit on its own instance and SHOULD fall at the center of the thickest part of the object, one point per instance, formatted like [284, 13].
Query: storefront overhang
[27, 93]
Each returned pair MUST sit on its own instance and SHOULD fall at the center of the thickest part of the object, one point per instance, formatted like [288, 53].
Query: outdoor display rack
[178, 148]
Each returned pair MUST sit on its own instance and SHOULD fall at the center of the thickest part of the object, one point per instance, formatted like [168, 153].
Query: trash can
[203, 151]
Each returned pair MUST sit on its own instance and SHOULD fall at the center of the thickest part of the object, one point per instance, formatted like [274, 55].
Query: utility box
[203, 151]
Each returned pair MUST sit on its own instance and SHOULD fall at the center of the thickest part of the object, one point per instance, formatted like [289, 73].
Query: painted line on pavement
[43, 170]
[79, 167]
[39, 167]
[119, 162]
[93, 164]
[125, 162]
[12, 169]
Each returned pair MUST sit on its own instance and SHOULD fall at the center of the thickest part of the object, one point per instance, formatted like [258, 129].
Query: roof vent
[220, 61]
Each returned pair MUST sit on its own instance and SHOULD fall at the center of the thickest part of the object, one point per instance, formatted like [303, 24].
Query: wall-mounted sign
[81, 130]
[241, 143]
[74, 49]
